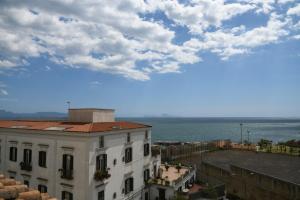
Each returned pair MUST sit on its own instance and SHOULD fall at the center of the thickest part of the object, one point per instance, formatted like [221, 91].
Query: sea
[206, 129]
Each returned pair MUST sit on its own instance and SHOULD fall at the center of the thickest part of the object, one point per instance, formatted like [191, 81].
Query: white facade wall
[84, 147]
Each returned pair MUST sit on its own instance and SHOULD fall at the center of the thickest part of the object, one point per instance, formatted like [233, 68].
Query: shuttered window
[66, 195]
[13, 154]
[101, 162]
[27, 156]
[128, 155]
[42, 158]
[128, 185]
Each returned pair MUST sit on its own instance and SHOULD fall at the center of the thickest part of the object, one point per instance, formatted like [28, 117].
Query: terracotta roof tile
[70, 126]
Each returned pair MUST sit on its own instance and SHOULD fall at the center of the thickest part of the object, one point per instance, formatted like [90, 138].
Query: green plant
[101, 175]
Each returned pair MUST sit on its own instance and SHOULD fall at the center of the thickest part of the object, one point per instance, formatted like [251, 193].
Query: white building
[89, 157]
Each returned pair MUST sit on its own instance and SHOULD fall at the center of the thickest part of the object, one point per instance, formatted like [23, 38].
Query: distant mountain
[38, 115]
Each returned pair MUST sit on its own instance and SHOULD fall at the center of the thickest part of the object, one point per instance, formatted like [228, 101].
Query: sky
[197, 58]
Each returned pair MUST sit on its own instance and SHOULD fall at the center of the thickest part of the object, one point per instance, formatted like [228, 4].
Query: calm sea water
[205, 129]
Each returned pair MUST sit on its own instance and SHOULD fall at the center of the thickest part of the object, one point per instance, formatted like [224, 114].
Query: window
[128, 185]
[13, 154]
[101, 195]
[128, 155]
[26, 182]
[101, 141]
[128, 137]
[67, 168]
[42, 158]
[66, 195]
[27, 156]
[114, 195]
[146, 149]
[101, 162]
[42, 188]
[146, 196]
[146, 135]
[146, 175]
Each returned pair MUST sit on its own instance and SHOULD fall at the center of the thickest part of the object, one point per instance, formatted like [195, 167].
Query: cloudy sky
[183, 58]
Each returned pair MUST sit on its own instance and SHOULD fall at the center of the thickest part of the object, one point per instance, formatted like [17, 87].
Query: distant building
[252, 175]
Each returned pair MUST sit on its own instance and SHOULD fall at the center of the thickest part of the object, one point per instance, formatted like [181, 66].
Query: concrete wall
[250, 185]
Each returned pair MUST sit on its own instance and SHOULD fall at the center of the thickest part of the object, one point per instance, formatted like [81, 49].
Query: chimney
[91, 115]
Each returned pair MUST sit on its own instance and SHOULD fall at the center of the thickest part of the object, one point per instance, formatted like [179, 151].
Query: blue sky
[147, 58]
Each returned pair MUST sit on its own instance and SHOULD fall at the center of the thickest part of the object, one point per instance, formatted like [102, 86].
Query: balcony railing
[26, 166]
[66, 174]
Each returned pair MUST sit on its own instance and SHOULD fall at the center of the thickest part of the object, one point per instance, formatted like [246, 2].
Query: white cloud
[3, 92]
[115, 37]
[227, 43]
[284, 1]
[294, 11]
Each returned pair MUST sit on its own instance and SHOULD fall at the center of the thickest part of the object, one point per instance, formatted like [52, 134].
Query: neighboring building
[170, 180]
[89, 157]
[252, 175]
[12, 189]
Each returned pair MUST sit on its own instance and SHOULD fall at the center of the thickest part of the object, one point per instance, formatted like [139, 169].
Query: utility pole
[241, 124]
[248, 132]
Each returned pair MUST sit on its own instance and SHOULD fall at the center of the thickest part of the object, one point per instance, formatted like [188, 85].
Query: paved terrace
[280, 166]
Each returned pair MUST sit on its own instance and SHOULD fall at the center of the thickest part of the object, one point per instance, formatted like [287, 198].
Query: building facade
[88, 157]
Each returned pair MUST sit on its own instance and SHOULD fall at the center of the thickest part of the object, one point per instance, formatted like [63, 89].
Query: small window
[67, 167]
[128, 155]
[101, 195]
[13, 152]
[101, 162]
[42, 188]
[146, 175]
[128, 137]
[42, 158]
[101, 141]
[146, 196]
[114, 195]
[146, 135]
[66, 195]
[146, 149]
[128, 185]
[115, 161]
[27, 156]
[26, 182]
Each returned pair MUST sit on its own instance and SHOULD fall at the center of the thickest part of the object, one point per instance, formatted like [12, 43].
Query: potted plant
[178, 167]
[167, 167]
[101, 175]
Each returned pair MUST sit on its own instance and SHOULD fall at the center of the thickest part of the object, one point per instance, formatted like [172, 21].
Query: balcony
[101, 175]
[66, 174]
[26, 166]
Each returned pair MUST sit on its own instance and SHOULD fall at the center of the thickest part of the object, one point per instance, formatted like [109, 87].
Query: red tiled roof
[71, 126]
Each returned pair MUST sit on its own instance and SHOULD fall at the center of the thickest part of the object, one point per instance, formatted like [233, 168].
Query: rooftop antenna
[69, 104]
[241, 124]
